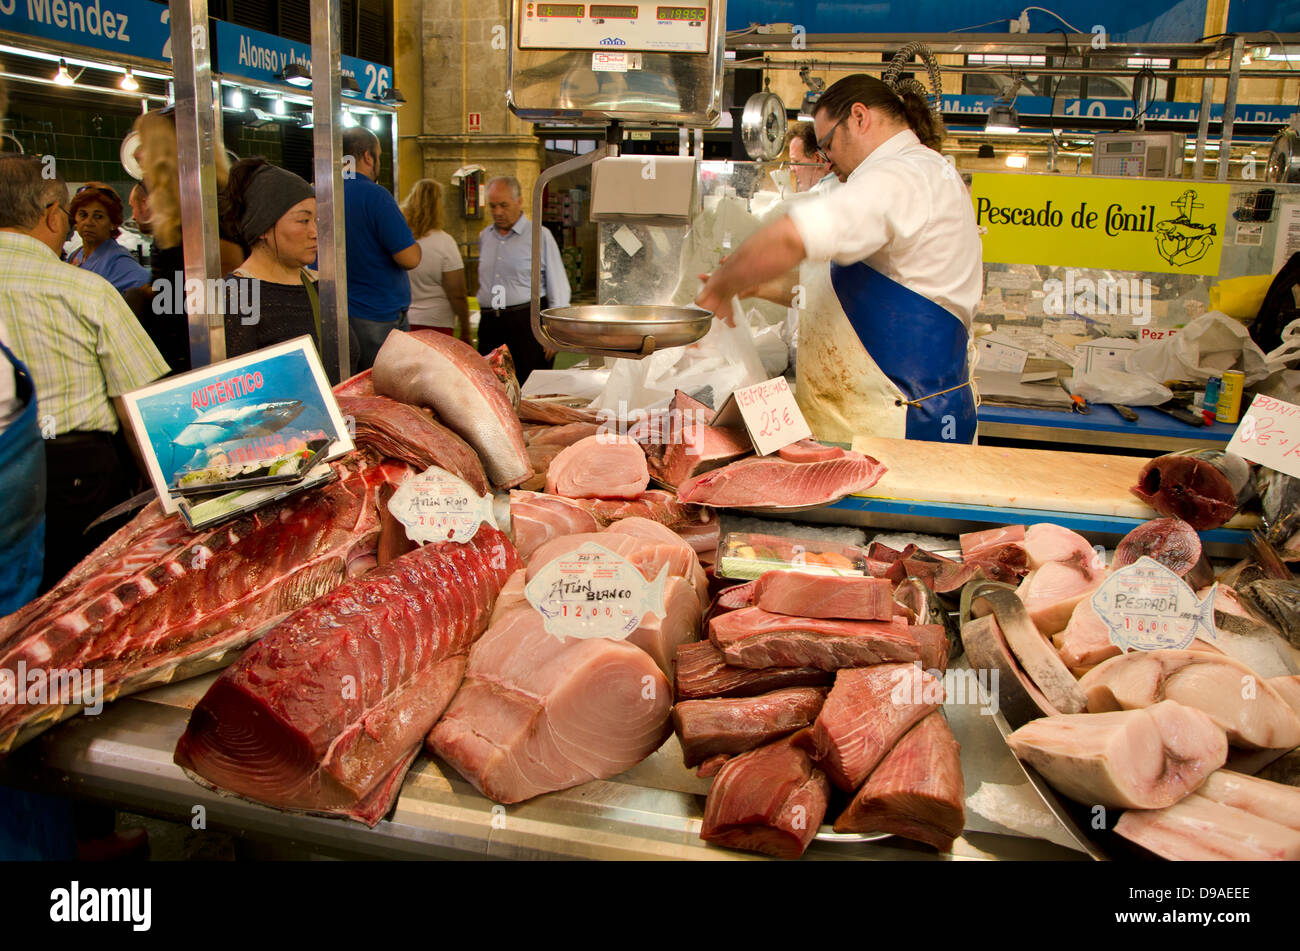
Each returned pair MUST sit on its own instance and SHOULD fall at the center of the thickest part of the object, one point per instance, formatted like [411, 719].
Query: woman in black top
[273, 212]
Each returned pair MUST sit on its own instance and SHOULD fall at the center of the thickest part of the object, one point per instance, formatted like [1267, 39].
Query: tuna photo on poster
[240, 413]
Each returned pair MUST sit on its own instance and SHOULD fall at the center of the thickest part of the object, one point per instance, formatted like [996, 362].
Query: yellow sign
[1124, 224]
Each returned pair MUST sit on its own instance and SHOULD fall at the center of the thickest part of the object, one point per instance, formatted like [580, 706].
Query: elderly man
[380, 249]
[809, 172]
[505, 279]
[84, 349]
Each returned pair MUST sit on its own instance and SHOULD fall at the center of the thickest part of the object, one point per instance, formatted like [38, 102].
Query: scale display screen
[606, 11]
[1119, 147]
[560, 9]
[682, 13]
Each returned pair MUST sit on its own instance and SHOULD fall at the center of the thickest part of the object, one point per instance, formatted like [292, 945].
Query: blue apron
[22, 505]
[918, 345]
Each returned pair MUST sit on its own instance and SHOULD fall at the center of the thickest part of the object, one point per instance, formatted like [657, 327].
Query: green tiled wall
[84, 141]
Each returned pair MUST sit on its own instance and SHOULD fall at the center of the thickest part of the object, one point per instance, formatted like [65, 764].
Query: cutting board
[1082, 482]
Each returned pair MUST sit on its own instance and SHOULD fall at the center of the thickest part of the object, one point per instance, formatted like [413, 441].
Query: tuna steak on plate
[430, 369]
[1133, 759]
[917, 791]
[326, 713]
[157, 602]
[769, 800]
[711, 727]
[772, 481]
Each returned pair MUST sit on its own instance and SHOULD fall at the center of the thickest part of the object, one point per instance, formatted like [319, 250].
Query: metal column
[327, 113]
[196, 144]
[1202, 128]
[1230, 108]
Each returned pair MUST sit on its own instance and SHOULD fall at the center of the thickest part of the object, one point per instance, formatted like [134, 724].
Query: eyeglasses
[825, 144]
[63, 208]
[96, 188]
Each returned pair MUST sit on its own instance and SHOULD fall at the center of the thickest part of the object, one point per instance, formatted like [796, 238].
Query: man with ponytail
[884, 344]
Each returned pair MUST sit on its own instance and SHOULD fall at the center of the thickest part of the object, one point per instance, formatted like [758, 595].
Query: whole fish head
[1275, 601]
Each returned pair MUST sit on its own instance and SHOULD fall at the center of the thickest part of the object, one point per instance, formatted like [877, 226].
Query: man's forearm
[767, 254]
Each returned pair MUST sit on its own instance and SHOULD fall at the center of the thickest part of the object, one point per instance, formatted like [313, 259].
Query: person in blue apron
[22, 507]
[884, 335]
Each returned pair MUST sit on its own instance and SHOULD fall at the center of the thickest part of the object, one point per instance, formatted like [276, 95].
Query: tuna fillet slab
[768, 800]
[328, 710]
[710, 727]
[793, 593]
[771, 480]
[1135, 759]
[536, 713]
[752, 637]
[1201, 829]
[449, 377]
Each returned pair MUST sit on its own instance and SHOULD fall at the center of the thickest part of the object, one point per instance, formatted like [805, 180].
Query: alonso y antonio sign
[1091, 222]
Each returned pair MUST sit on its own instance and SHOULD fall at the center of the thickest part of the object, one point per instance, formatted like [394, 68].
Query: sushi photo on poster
[260, 422]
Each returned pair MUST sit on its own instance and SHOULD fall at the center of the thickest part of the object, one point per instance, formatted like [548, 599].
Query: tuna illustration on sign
[1183, 241]
[239, 422]
[595, 592]
[1147, 606]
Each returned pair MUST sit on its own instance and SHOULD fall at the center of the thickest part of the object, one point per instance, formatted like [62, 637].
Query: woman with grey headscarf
[273, 297]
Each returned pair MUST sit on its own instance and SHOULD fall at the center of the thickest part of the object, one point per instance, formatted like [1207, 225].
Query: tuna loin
[709, 727]
[768, 800]
[328, 710]
[752, 637]
[866, 713]
[406, 432]
[537, 713]
[772, 481]
[599, 467]
[1134, 759]
[427, 368]
[821, 596]
[702, 671]
[537, 518]
[1203, 487]
[917, 791]
[157, 602]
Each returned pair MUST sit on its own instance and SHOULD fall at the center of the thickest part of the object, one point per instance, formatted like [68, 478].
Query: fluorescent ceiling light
[278, 106]
[74, 61]
[1017, 161]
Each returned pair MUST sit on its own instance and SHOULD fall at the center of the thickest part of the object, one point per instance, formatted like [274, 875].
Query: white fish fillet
[1200, 829]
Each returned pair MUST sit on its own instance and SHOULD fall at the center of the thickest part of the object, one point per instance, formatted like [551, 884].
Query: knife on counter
[1126, 412]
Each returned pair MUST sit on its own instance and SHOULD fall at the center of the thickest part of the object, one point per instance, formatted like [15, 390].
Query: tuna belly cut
[752, 637]
[1134, 759]
[536, 714]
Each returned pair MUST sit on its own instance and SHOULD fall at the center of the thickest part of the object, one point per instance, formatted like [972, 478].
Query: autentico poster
[1126, 224]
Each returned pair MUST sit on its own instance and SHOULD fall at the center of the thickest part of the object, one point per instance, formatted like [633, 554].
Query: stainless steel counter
[124, 757]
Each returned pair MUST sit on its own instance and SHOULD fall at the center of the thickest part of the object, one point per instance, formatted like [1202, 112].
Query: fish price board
[1269, 433]
[438, 506]
[1148, 607]
[595, 592]
[769, 414]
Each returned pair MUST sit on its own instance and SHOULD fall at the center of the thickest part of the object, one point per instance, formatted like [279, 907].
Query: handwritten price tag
[595, 592]
[769, 413]
[437, 506]
[1269, 433]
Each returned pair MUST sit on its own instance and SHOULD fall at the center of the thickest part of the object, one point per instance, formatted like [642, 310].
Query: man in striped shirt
[84, 349]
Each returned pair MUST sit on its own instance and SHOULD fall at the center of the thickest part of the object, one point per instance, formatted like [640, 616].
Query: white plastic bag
[1207, 346]
[725, 359]
[1114, 386]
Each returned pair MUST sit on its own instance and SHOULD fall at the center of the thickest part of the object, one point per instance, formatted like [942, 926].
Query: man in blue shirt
[380, 249]
[505, 279]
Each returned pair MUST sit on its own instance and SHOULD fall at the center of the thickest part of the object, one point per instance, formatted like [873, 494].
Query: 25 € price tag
[769, 414]
[1147, 607]
[1269, 433]
[594, 592]
[437, 506]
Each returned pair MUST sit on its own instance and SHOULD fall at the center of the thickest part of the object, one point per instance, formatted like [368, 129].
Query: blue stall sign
[1066, 109]
[260, 56]
[138, 28]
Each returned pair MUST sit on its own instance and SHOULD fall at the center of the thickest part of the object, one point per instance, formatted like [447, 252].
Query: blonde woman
[158, 157]
[438, 297]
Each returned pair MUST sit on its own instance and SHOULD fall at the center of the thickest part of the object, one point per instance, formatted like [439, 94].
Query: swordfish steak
[157, 602]
[537, 714]
[445, 374]
[326, 712]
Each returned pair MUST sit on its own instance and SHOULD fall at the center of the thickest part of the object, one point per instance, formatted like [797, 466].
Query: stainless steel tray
[638, 329]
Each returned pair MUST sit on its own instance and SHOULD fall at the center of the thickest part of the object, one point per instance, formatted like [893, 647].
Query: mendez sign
[127, 27]
[1123, 224]
[253, 54]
